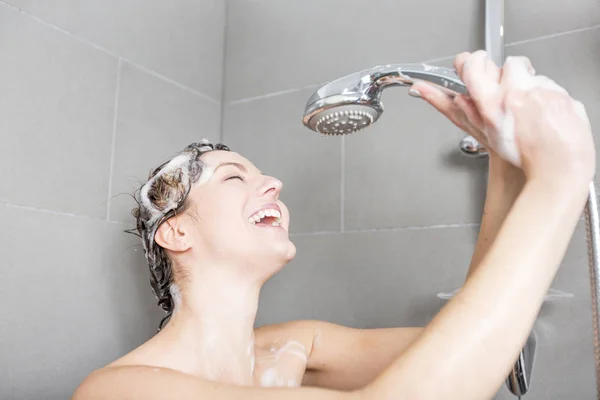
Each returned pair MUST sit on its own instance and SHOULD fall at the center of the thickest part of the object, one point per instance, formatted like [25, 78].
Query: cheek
[219, 224]
[227, 233]
[226, 222]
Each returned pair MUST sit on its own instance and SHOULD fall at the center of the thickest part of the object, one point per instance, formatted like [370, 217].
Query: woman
[214, 231]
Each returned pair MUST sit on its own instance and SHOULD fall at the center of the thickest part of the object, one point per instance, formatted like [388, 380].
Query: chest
[280, 364]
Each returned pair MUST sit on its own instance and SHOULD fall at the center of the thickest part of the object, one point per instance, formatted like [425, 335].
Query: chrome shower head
[353, 102]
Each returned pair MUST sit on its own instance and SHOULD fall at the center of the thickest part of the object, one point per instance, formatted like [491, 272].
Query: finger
[444, 104]
[523, 60]
[492, 70]
[517, 74]
[544, 82]
[467, 106]
[434, 96]
[475, 76]
[481, 79]
[473, 119]
[580, 111]
[459, 62]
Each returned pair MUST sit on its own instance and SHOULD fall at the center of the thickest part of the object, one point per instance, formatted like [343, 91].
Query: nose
[270, 187]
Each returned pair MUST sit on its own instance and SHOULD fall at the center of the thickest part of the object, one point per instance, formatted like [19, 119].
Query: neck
[213, 324]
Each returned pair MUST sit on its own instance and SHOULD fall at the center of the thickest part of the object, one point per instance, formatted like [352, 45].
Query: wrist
[504, 174]
[565, 191]
[501, 167]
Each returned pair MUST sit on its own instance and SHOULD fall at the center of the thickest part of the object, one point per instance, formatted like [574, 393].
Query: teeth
[271, 212]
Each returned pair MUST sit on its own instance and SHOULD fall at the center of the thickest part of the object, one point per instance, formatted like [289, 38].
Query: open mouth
[266, 217]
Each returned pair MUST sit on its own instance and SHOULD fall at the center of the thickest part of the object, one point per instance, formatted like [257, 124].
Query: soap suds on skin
[292, 347]
[207, 173]
[516, 75]
[275, 376]
[176, 296]
[271, 378]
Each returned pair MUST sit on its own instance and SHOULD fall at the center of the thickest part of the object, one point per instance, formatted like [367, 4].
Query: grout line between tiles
[4, 203]
[343, 183]
[398, 229]
[274, 94]
[171, 81]
[104, 50]
[438, 59]
[113, 143]
[552, 36]
[223, 69]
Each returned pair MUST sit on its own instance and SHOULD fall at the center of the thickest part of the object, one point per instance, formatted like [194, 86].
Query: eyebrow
[234, 164]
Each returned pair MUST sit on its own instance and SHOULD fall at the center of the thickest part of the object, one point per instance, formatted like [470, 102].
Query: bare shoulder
[136, 381]
[152, 383]
[139, 363]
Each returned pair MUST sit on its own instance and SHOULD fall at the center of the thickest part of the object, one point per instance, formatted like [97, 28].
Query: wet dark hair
[163, 196]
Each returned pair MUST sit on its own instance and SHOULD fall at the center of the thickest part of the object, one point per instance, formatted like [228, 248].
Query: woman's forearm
[468, 348]
[505, 182]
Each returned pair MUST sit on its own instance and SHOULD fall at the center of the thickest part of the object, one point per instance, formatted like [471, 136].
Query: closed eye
[241, 178]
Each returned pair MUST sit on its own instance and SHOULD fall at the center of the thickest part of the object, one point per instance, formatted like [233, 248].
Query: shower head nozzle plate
[343, 119]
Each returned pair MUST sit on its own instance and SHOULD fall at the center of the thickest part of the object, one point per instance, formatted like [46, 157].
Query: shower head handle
[406, 74]
[353, 102]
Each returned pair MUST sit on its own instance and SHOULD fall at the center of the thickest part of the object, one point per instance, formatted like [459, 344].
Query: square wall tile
[269, 132]
[155, 120]
[407, 170]
[275, 45]
[78, 298]
[182, 40]
[56, 118]
[534, 18]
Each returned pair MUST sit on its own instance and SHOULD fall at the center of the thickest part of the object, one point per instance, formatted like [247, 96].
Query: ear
[171, 236]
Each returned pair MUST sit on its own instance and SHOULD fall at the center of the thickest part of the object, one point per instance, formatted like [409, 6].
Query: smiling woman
[214, 231]
[177, 187]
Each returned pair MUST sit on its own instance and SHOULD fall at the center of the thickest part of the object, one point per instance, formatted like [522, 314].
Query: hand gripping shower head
[353, 102]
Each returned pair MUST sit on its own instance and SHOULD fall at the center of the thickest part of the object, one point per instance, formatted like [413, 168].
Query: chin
[280, 254]
[282, 251]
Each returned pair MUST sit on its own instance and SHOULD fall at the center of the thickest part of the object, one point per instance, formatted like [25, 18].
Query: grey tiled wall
[387, 218]
[93, 95]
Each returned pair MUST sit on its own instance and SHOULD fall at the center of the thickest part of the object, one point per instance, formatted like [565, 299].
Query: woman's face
[236, 217]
